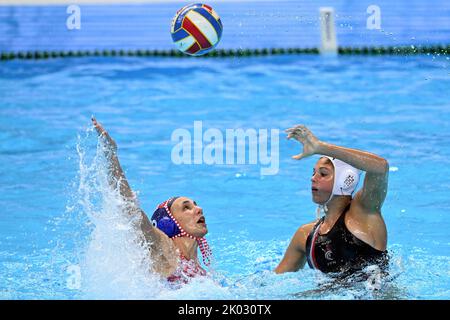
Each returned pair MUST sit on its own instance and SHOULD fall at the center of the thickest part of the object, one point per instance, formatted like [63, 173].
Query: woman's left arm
[374, 190]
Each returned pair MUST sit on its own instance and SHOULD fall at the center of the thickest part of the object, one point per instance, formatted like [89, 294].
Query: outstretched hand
[109, 142]
[306, 137]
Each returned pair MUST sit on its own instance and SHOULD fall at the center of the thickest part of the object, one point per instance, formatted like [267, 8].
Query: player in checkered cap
[175, 231]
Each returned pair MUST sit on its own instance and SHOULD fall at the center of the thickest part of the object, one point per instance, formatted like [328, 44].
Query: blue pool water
[57, 215]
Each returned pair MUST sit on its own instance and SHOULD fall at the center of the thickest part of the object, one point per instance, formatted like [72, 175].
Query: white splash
[114, 265]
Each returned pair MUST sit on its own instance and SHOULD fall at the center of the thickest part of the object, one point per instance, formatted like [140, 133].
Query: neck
[336, 206]
[187, 247]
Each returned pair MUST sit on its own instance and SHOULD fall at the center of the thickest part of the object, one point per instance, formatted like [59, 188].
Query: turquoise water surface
[59, 220]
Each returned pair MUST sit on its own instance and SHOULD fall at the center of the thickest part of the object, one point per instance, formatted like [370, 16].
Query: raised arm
[373, 192]
[161, 247]
[116, 175]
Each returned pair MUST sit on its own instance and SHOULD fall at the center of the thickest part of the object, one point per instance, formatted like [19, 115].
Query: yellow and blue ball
[196, 29]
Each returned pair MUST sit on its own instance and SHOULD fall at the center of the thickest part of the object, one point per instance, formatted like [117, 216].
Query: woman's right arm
[161, 247]
[295, 255]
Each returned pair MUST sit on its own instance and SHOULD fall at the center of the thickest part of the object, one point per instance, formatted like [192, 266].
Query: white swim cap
[346, 178]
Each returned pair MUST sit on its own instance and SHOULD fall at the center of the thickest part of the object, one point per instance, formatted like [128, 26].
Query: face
[322, 181]
[190, 216]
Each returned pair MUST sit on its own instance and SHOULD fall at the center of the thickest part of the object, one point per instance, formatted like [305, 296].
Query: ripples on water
[114, 266]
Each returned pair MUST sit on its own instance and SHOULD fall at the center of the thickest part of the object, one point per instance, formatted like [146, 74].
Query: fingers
[297, 136]
[299, 129]
[98, 127]
[95, 123]
[300, 133]
[104, 134]
[296, 128]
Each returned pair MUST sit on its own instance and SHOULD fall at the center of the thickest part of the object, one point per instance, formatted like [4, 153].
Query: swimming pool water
[57, 213]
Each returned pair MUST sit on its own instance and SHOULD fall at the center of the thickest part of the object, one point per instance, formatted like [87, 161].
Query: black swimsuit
[340, 251]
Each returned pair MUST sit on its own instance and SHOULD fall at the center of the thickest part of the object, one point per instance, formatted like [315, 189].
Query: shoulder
[301, 235]
[306, 228]
[367, 226]
[162, 249]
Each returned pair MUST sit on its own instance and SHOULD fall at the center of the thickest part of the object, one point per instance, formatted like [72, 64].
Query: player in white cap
[351, 234]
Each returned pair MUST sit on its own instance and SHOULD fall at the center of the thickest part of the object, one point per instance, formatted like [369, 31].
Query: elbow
[379, 167]
[278, 270]
[383, 166]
